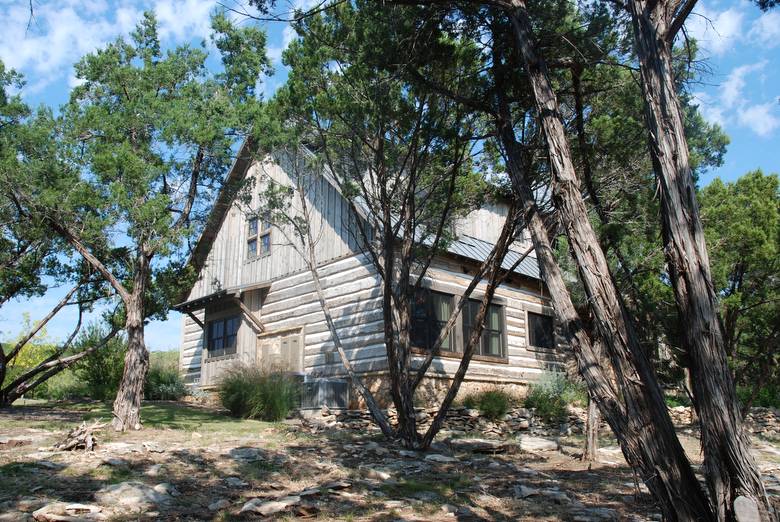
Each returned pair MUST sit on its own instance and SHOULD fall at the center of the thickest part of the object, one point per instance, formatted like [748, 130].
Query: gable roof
[467, 247]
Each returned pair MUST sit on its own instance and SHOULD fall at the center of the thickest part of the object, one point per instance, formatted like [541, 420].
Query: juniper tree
[143, 143]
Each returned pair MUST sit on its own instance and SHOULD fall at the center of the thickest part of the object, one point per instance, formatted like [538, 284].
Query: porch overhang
[187, 307]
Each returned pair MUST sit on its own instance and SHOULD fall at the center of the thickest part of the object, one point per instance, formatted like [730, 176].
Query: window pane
[442, 306]
[251, 247]
[232, 326]
[493, 318]
[217, 329]
[436, 331]
[252, 226]
[492, 343]
[230, 343]
[419, 334]
[216, 344]
[265, 244]
[266, 223]
[540, 331]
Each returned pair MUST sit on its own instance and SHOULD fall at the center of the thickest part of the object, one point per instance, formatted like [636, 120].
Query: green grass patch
[444, 486]
[155, 415]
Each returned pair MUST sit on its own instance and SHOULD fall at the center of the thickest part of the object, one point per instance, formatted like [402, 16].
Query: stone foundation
[432, 390]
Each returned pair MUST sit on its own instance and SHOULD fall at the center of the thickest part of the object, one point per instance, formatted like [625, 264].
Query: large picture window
[258, 239]
[430, 312]
[222, 336]
[541, 333]
[491, 343]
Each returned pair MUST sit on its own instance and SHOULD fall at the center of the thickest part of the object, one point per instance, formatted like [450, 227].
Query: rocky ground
[193, 463]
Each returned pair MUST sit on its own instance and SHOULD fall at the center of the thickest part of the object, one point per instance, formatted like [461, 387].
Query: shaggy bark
[660, 457]
[127, 405]
[591, 452]
[731, 469]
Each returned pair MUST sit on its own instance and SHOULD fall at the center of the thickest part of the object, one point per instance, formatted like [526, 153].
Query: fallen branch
[81, 437]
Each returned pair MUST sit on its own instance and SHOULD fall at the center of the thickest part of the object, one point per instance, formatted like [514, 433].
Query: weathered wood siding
[351, 286]
[486, 224]
[228, 265]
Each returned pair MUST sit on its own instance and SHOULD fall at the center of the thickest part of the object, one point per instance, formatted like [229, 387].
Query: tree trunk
[591, 452]
[731, 470]
[661, 459]
[127, 405]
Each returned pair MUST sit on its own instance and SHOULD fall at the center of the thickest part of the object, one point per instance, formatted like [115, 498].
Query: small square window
[540, 331]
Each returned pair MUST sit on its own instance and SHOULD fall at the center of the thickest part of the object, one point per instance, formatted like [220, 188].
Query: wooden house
[254, 299]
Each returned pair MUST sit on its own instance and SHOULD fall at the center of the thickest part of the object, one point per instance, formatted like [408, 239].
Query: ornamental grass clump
[492, 404]
[252, 393]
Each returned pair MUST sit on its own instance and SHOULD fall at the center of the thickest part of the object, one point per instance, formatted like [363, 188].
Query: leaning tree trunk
[127, 405]
[591, 452]
[730, 469]
[663, 464]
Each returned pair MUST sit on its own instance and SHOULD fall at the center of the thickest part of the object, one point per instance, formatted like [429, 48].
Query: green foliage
[163, 381]
[742, 226]
[493, 404]
[674, 400]
[251, 393]
[552, 393]
[768, 396]
[100, 371]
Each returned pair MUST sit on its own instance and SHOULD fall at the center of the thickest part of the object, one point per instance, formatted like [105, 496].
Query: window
[430, 312]
[491, 344]
[540, 331]
[222, 334]
[258, 239]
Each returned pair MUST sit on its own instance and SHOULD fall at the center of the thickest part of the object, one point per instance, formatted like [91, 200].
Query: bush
[101, 370]
[767, 397]
[493, 404]
[250, 392]
[163, 381]
[674, 400]
[550, 396]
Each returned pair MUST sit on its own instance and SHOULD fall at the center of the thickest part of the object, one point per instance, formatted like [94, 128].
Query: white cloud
[732, 89]
[182, 20]
[760, 118]
[60, 33]
[710, 108]
[765, 30]
[731, 105]
[275, 52]
[717, 32]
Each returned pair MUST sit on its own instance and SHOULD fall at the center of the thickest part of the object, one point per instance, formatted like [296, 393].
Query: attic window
[258, 239]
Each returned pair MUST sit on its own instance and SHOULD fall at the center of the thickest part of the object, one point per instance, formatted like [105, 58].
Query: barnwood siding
[352, 289]
[351, 286]
[227, 264]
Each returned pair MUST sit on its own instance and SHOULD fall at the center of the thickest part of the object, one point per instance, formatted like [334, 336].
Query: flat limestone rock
[442, 459]
[538, 444]
[270, 507]
[131, 494]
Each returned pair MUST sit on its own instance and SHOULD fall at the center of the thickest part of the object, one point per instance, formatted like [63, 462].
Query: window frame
[429, 319]
[502, 331]
[458, 334]
[528, 314]
[223, 321]
[262, 231]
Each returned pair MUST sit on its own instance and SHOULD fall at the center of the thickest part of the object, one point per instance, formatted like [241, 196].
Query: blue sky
[740, 45]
